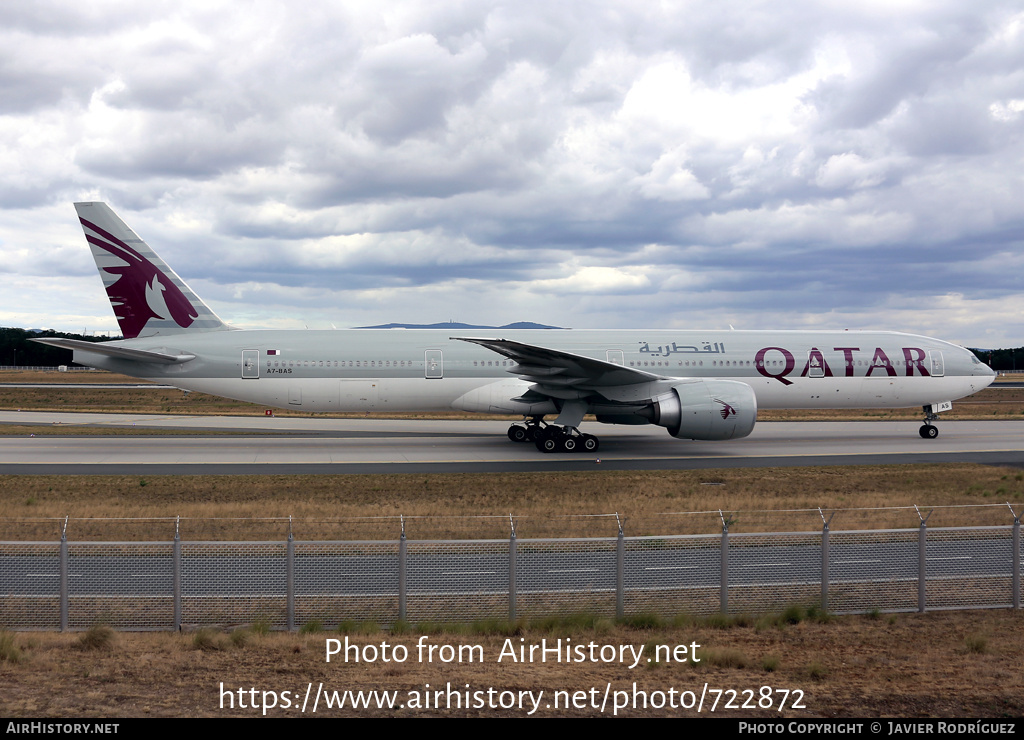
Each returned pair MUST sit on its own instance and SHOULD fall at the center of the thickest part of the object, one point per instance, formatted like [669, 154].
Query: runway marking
[850, 562]
[761, 565]
[574, 570]
[553, 459]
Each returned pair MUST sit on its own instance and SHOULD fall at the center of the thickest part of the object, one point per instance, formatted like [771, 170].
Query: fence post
[620, 576]
[824, 558]
[1015, 559]
[290, 579]
[922, 565]
[176, 570]
[724, 596]
[401, 573]
[64, 595]
[512, 570]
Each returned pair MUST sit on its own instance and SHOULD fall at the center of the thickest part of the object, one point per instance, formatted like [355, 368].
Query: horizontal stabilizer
[121, 353]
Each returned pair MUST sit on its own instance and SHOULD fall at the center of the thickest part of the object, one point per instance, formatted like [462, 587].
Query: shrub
[97, 637]
[311, 627]
[976, 644]
[816, 670]
[643, 621]
[261, 626]
[9, 651]
[728, 658]
[206, 639]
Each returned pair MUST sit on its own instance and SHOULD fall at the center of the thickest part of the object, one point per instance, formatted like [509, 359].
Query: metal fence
[165, 585]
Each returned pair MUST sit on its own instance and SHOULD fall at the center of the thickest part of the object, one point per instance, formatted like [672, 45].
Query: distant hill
[456, 325]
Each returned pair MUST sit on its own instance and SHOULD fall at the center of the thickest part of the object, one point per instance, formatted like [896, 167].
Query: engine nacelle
[707, 409]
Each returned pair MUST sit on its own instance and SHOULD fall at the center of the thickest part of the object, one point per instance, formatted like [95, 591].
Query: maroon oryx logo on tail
[727, 410]
[141, 292]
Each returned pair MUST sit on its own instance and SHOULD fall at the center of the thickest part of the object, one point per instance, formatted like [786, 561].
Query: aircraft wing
[553, 369]
[121, 353]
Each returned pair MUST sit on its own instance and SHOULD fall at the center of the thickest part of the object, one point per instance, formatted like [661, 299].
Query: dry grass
[478, 505]
[84, 377]
[76, 430]
[911, 665]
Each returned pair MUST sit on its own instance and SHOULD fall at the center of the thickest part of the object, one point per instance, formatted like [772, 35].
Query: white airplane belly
[339, 394]
[860, 393]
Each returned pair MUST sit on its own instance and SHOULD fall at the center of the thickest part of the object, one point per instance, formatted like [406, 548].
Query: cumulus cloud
[577, 164]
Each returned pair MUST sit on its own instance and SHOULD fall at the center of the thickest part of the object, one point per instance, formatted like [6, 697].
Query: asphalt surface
[230, 573]
[271, 445]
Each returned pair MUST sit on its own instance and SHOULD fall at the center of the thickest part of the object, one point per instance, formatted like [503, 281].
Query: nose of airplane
[979, 368]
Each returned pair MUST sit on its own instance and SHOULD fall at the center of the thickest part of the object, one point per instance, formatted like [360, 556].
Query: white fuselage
[423, 370]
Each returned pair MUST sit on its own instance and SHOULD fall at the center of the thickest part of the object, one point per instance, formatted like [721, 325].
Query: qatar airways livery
[704, 385]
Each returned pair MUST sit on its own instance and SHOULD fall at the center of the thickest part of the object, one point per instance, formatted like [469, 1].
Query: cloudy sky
[586, 164]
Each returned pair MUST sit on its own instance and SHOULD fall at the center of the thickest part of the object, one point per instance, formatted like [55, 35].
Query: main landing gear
[929, 430]
[553, 438]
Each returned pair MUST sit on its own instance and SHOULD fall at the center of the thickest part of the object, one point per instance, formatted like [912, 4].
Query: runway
[217, 572]
[290, 445]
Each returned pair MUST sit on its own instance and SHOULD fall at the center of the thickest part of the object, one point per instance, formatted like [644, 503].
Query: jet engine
[706, 409]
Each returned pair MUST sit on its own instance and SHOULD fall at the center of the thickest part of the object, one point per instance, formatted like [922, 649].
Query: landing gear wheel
[561, 439]
[928, 431]
[534, 430]
[518, 434]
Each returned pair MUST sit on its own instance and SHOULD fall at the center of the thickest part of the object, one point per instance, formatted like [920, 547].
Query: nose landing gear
[929, 430]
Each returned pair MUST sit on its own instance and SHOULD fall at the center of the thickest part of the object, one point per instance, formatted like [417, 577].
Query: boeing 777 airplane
[704, 385]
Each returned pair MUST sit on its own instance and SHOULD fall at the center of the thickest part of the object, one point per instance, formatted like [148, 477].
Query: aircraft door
[938, 366]
[815, 367]
[250, 363]
[433, 364]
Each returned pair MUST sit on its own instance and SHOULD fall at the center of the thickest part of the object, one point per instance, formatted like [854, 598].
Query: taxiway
[286, 445]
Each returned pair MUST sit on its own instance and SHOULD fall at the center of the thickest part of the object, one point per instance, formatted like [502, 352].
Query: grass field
[943, 664]
[478, 505]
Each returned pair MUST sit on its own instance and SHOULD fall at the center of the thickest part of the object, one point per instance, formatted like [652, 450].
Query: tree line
[1002, 360]
[16, 349]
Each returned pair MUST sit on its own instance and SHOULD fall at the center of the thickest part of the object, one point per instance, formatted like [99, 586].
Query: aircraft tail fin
[147, 296]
